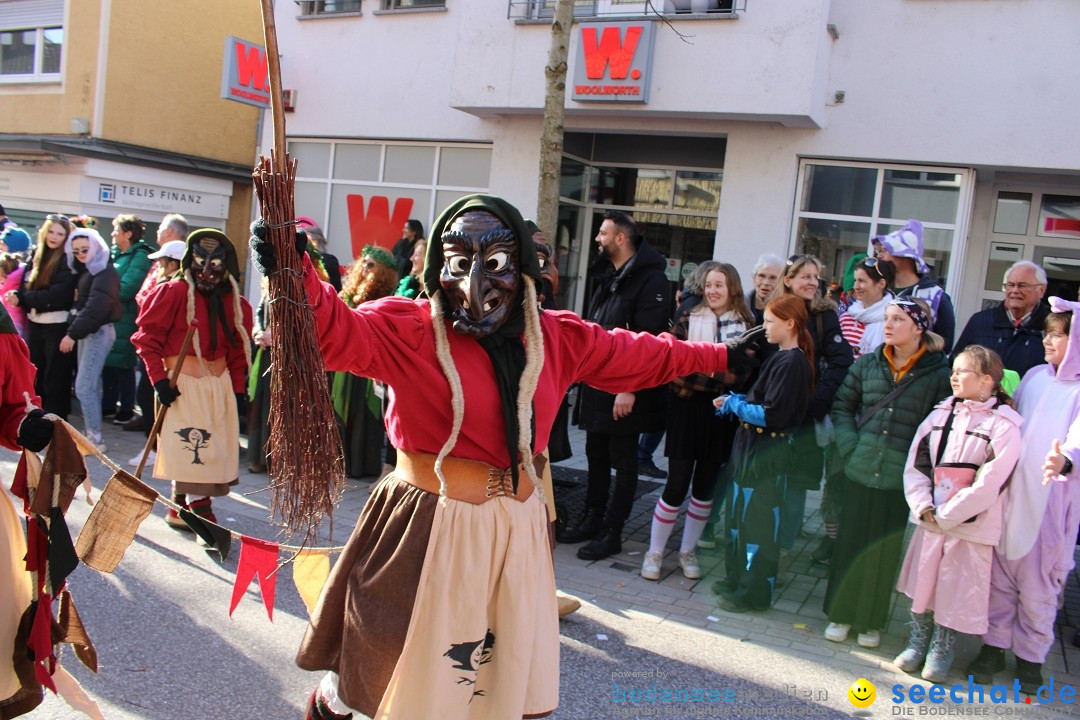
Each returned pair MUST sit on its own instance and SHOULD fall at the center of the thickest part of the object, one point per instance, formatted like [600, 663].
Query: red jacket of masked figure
[222, 315]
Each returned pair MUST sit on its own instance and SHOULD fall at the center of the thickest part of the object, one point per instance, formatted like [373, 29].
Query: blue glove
[747, 412]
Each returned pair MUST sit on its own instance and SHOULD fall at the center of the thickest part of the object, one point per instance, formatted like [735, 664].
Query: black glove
[241, 404]
[35, 431]
[166, 394]
[262, 250]
[742, 349]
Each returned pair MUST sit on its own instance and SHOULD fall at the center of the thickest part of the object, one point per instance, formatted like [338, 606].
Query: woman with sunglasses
[832, 355]
[46, 294]
[877, 411]
[97, 308]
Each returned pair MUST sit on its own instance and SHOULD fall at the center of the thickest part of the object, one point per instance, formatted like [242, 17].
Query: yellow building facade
[114, 106]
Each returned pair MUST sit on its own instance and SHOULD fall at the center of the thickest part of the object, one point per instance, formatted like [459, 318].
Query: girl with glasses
[959, 462]
[46, 294]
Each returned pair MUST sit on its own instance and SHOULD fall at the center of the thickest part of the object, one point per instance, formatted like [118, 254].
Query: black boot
[1030, 676]
[586, 528]
[989, 661]
[823, 552]
[607, 544]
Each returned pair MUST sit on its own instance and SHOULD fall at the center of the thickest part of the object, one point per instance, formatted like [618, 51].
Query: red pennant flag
[258, 558]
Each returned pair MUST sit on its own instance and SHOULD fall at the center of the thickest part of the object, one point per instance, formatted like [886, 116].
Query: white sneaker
[837, 632]
[650, 567]
[134, 462]
[869, 639]
[691, 568]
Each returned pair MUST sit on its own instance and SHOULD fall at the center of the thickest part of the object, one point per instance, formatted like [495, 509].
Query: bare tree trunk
[551, 140]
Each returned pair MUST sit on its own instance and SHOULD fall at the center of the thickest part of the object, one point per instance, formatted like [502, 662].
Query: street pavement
[169, 650]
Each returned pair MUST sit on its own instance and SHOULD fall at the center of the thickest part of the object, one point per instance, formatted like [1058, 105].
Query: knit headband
[914, 311]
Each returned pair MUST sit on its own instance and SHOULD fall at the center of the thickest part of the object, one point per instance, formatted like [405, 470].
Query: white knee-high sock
[697, 514]
[663, 520]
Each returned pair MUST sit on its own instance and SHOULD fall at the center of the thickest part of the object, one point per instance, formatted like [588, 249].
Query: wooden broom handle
[160, 417]
[273, 62]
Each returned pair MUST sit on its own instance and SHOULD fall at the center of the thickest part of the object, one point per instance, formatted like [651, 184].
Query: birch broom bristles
[307, 470]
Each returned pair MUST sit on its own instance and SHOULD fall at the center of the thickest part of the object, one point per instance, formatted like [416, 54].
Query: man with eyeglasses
[1013, 329]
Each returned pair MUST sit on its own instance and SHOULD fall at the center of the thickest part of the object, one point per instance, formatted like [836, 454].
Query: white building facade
[737, 128]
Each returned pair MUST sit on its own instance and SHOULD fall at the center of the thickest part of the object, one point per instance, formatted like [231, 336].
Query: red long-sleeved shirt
[163, 324]
[392, 340]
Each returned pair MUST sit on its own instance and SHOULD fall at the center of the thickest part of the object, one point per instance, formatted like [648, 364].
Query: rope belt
[470, 481]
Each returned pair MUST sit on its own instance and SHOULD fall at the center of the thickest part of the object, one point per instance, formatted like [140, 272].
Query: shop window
[1059, 216]
[572, 179]
[838, 190]
[409, 164]
[843, 205]
[931, 197]
[698, 190]
[357, 162]
[328, 7]
[312, 158]
[465, 167]
[1012, 212]
[31, 53]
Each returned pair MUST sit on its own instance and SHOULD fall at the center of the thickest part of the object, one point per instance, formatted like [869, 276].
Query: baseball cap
[174, 249]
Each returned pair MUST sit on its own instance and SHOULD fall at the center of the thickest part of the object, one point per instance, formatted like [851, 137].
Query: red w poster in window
[376, 226]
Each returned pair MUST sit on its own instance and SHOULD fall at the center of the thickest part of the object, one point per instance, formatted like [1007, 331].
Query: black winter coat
[97, 302]
[1020, 348]
[59, 295]
[636, 298]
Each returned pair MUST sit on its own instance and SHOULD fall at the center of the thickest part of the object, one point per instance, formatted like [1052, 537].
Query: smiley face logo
[862, 693]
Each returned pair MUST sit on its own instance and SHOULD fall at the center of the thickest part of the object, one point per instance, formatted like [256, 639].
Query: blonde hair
[988, 362]
[238, 317]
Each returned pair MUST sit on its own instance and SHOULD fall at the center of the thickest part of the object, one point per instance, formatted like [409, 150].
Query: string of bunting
[126, 501]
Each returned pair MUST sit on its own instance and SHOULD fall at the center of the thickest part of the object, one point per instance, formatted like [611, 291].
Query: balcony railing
[527, 10]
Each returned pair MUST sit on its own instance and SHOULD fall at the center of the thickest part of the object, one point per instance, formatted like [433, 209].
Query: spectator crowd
[866, 391]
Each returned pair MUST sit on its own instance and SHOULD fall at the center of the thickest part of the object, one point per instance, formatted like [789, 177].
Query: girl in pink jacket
[959, 462]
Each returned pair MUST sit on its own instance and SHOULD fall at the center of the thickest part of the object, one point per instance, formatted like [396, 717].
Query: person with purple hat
[904, 248]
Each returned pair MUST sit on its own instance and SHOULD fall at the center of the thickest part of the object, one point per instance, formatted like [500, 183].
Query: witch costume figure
[20, 692]
[452, 547]
[197, 447]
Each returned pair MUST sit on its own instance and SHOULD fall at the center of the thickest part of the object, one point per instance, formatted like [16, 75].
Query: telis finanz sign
[245, 76]
[614, 62]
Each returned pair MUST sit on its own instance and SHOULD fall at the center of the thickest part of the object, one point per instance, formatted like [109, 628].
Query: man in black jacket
[1013, 329]
[633, 293]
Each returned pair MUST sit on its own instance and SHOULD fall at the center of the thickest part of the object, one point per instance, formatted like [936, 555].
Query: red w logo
[251, 68]
[610, 50]
[377, 226]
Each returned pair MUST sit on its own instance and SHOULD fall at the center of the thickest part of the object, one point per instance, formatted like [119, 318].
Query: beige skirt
[198, 447]
[440, 608]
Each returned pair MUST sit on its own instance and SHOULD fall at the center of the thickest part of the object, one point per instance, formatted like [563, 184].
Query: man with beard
[357, 405]
[197, 446]
[452, 549]
[633, 293]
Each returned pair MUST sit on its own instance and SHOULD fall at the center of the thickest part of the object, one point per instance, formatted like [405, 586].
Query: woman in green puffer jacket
[879, 407]
[130, 256]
